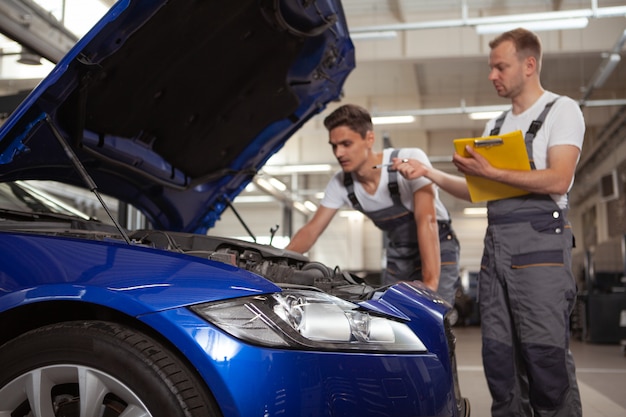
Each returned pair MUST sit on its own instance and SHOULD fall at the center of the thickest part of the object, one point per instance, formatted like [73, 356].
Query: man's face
[507, 70]
[350, 149]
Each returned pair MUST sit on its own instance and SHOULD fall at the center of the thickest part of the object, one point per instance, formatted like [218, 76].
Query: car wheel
[97, 369]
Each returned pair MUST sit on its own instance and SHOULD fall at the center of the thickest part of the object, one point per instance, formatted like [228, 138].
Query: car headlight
[307, 319]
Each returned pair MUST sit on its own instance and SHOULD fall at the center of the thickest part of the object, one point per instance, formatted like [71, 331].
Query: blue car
[171, 107]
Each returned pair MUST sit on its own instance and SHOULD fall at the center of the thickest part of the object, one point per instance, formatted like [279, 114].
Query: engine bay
[284, 268]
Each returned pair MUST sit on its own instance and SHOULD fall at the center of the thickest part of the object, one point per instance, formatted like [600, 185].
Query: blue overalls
[403, 256]
[526, 294]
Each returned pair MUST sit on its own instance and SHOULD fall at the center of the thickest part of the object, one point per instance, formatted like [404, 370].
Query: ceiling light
[390, 120]
[279, 185]
[537, 25]
[297, 169]
[351, 215]
[310, 205]
[264, 185]
[476, 109]
[374, 36]
[254, 199]
[475, 211]
[484, 115]
[300, 207]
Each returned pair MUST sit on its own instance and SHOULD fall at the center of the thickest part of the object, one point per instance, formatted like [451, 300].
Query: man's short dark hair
[526, 43]
[355, 117]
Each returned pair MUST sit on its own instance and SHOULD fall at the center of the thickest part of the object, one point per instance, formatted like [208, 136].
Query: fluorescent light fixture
[484, 115]
[265, 185]
[255, 199]
[608, 66]
[374, 36]
[353, 215]
[279, 185]
[537, 25]
[391, 120]
[475, 211]
[310, 205]
[297, 169]
[300, 207]
[270, 185]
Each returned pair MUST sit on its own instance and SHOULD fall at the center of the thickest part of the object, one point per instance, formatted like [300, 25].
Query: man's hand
[556, 178]
[409, 168]
[475, 164]
[453, 184]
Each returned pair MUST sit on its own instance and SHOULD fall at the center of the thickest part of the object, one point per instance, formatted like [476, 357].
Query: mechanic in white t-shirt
[421, 243]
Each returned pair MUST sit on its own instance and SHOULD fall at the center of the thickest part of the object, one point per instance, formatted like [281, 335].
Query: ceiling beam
[591, 13]
[30, 25]
[474, 109]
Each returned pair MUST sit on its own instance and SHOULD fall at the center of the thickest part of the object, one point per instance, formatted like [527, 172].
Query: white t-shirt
[336, 195]
[564, 125]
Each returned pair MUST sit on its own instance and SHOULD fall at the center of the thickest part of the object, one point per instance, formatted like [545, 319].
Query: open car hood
[173, 106]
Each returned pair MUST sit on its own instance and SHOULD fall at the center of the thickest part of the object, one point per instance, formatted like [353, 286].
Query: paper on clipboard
[502, 151]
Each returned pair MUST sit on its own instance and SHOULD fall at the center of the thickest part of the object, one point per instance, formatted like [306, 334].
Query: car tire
[97, 368]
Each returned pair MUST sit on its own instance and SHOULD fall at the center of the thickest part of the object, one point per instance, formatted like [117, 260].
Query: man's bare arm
[427, 235]
[304, 238]
[554, 179]
[452, 184]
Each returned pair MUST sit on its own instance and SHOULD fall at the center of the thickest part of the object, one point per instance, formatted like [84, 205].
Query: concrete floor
[601, 371]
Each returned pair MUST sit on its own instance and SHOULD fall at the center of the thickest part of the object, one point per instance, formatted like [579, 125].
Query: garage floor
[601, 371]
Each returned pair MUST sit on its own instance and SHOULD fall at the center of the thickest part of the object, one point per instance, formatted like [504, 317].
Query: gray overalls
[526, 295]
[403, 256]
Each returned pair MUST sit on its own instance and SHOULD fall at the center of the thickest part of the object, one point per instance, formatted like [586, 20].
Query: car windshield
[20, 196]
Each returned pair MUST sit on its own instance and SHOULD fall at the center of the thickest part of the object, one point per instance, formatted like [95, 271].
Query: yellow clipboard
[502, 151]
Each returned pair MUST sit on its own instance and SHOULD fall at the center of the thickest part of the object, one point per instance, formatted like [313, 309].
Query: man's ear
[369, 138]
[530, 65]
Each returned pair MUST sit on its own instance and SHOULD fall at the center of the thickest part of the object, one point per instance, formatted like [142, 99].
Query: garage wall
[596, 220]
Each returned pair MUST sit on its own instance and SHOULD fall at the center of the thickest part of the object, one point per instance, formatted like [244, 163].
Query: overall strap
[533, 129]
[348, 182]
[392, 183]
[530, 133]
[498, 125]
